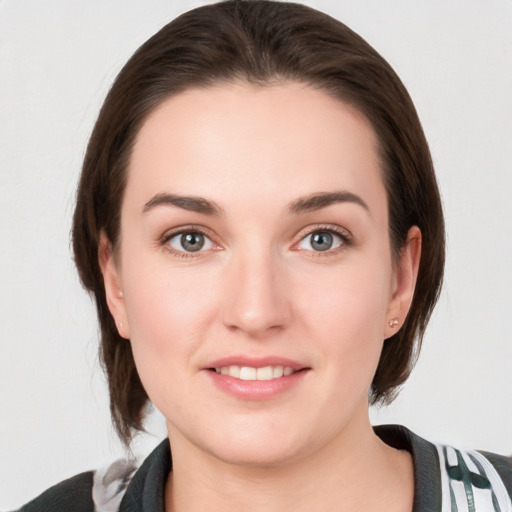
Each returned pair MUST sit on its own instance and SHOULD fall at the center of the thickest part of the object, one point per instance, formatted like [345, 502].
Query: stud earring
[394, 322]
[121, 324]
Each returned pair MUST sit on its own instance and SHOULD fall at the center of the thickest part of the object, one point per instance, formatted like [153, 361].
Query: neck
[356, 471]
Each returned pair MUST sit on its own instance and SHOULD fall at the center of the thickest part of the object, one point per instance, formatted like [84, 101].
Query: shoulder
[471, 476]
[484, 470]
[74, 492]
[451, 479]
[503, 466]
[92, 491]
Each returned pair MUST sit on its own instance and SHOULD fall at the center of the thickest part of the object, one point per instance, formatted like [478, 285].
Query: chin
[246, 442]
[256, 454]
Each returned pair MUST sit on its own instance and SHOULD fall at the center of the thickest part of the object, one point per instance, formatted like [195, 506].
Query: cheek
[169, 313]
[166, 307]
[346, 318]
[347, 300]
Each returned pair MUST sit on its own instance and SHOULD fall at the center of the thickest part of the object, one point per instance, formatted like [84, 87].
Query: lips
[256, 378]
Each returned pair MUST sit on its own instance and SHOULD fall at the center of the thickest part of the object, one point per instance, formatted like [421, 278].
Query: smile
[250, 373]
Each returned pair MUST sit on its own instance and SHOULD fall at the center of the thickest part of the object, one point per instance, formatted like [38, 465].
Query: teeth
[266, 373]
[234, 371]
[249, 373]
[278, 372]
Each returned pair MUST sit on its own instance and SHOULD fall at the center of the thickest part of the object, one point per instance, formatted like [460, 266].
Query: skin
[259, 288]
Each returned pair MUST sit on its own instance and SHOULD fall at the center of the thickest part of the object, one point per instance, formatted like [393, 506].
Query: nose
[256, 301]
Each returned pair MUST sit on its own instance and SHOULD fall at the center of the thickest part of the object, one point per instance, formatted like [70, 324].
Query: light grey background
[57, 60]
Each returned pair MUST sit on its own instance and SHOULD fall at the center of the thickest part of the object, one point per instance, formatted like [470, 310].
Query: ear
[404, 282]
[112, 284]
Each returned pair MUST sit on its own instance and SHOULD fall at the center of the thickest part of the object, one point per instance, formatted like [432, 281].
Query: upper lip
[256, 362]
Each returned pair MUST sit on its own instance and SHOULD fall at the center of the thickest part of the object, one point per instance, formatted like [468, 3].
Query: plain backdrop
[57, 60]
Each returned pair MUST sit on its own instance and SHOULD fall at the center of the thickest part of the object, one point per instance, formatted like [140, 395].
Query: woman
[259, 222]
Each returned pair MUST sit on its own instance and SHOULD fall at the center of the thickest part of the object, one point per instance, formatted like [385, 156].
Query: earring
[394, 322]
[121, 324]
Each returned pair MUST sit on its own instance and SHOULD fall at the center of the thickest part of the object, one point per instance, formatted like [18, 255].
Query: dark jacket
[446, 480]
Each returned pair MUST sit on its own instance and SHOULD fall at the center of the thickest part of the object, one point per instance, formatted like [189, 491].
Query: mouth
[249, 373]
[256, 378]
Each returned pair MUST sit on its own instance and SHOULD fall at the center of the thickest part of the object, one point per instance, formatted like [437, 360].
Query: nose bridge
[256, 299]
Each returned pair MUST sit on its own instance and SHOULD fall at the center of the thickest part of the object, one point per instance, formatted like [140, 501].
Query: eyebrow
[304, 204]
[321, 200]
[190, 203]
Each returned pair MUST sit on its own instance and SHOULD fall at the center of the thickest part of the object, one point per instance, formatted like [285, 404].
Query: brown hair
[260, 42]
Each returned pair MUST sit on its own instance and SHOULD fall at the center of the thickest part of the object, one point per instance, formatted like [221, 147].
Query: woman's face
[254, 243]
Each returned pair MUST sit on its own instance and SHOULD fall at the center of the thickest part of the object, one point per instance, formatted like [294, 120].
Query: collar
[445, 479]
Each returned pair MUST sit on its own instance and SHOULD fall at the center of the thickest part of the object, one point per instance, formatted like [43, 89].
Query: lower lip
[256, 389]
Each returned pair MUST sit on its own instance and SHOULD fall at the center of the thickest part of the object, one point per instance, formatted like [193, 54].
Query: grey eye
[320, 241]
[190, 242]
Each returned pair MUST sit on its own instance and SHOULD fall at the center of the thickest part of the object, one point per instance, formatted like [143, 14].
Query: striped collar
[446, 479]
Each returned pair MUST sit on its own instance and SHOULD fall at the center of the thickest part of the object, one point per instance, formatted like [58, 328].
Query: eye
[320, 241]
[191, 241]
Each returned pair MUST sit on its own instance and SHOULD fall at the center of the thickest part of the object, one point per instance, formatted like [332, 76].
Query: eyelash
[344, 235]
[169, 235]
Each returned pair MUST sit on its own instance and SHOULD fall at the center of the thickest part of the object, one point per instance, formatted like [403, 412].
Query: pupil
[321, 241]
[192, 242]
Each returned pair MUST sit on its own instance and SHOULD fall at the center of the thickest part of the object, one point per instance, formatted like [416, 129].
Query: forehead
[244, 139]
